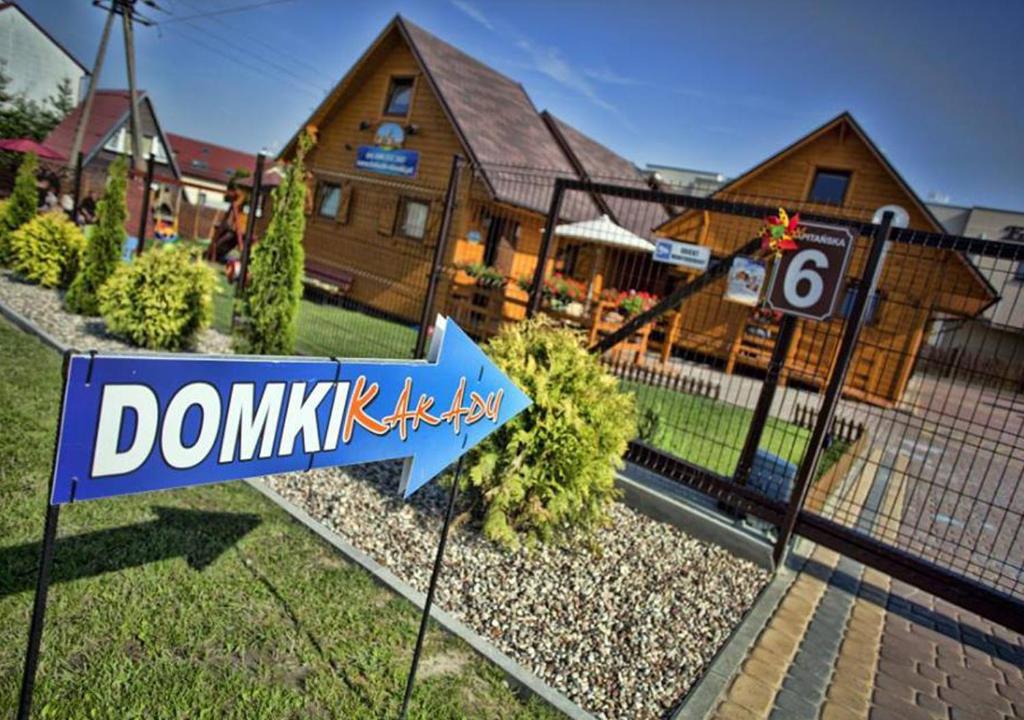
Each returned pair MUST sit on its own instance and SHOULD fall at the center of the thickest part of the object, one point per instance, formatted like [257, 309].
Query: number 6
[798, 271]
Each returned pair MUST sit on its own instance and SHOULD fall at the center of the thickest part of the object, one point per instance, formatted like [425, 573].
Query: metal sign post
[434, 575]
[135, 423]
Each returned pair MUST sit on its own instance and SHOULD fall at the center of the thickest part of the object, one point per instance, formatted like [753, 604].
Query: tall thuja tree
[106, 244]
[20, 206]
[270, 303]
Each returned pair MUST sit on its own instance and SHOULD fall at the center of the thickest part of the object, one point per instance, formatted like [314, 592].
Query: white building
[33, 59]
[995, 339]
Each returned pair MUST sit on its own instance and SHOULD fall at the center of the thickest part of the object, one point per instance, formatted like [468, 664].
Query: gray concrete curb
[700, 702]
[672, 503]
[517, 674]
[31, 328]
[523, 679]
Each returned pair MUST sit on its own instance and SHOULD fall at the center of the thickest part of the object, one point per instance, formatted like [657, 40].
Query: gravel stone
[624, 630]
[44, 307]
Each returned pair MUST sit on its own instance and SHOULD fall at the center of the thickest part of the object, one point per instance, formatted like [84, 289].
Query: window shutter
[434, 221]
[387, 215]
[345, 206]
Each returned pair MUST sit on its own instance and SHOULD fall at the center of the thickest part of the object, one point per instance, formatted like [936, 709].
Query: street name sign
[673, 252]
[133, 423]
[807, 280]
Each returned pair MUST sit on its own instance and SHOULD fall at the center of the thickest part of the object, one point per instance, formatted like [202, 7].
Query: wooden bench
[338, 279]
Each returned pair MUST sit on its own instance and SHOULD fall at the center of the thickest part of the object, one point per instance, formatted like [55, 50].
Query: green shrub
[47, 250]
[159, 300]
[551, 470]
[20, 206]
[271, 301]
[106, 243]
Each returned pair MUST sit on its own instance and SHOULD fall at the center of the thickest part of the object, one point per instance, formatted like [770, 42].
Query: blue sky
[713, 85]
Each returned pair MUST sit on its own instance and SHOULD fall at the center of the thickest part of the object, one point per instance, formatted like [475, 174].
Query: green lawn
[710, 433]
[201, 603]
[330, 330]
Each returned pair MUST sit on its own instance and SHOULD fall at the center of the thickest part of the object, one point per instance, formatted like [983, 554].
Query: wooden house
[107, 136]
[835, 170]
[386, 136]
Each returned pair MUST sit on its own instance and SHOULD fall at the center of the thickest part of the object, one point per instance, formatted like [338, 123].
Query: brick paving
[850, 642]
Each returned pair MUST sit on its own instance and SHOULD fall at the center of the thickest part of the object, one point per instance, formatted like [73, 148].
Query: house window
[118, 141]
[870, 313]
[829, 186]
[501, 236]
[202, 198]
[330, 200]
[399, 97]
[413, 223]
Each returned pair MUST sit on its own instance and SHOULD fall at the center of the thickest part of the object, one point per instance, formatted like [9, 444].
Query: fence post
[783, 340]
[250, 224]
[77, 197]
[144, 215]
[437, 264]
[536, 289]
[854, 323]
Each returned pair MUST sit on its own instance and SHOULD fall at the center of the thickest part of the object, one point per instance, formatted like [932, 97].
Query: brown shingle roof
[508, 141]
[201, 159]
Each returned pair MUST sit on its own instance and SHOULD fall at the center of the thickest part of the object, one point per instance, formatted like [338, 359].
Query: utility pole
[129, 16]
[94, 79]
[127, 9]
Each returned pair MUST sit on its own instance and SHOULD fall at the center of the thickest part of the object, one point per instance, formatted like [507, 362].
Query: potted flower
[485, 275]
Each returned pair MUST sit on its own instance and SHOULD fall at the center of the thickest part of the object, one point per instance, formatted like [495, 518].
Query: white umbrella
[603, 231]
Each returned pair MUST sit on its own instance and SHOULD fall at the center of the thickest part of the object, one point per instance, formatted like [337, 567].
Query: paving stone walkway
[847, 641]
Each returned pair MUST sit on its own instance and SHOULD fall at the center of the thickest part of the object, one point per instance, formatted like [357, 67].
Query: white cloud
[549, 61]
[474, 13]
[610, 77]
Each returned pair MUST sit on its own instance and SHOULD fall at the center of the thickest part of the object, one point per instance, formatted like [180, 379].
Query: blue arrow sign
[133, 423]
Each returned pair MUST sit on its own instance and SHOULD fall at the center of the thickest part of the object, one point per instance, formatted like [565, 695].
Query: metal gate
[891, 433]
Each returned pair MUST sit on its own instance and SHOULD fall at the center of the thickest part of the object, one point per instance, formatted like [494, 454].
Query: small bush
[20, 206]
[159, 300]
[551, 470]
[106, 243]
[48, 250]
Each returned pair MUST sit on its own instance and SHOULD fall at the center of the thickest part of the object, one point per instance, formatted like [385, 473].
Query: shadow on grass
[198, 536]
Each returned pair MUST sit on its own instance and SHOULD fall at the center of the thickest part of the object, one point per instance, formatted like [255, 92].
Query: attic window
[201, 164]
[829, 186]
[399, 97]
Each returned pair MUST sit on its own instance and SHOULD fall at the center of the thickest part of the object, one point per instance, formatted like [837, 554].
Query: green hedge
[551, 471]
[159, 300]
[47, 250]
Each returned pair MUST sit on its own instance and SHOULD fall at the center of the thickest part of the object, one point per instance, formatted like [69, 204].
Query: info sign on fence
[132, 423]
[809, 278]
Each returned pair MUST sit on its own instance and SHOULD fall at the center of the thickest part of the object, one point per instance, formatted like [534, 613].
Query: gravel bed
[624, 631]
[44, 307]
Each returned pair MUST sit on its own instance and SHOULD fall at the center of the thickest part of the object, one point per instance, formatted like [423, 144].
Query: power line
[253, 38]
[249, 56]
[315, 92]
[225, 11]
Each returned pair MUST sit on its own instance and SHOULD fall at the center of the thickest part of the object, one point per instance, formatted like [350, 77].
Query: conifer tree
[106, 244]
[20, 206]
[271, 300]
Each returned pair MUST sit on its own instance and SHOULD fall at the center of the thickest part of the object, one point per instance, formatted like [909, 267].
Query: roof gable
[842, 123]
[54, 41]
[110, 110]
